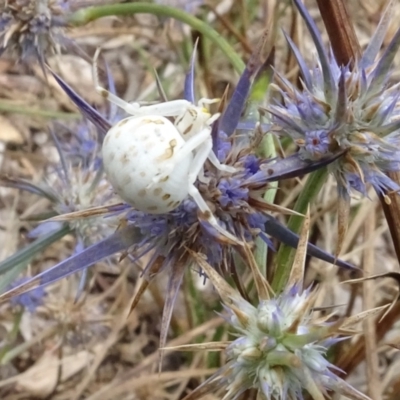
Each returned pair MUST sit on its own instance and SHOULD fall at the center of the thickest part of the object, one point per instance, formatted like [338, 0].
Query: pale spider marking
[103, 92]
[187, 130]
[168, 152]
[127, 180]
[123, 122]
[118, 133]
[193, 113]
[152, 121]
[124, 159]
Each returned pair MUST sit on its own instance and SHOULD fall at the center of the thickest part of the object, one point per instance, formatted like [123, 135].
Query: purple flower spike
[119, 241]
[233, 112]
[85, 108]
[353, 112]
[289, 167]
[189, 92]
[328, 78]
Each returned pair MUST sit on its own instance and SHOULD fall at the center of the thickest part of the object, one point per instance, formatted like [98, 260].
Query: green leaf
[27, 253]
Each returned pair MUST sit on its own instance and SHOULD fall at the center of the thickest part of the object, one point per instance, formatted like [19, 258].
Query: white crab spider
[151, 162]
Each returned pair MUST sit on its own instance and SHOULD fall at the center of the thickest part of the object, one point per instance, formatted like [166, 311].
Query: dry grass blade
[224, 290]
[391, 207]
[118, 324]
[393, 275]
[174, 283]
[350, 359]
[124, 382]
[343, 222]
[202, 391]
[155, 268]
[350, 321]
[374, 387]
[88, 213]
[209, 346]
[297, 273]
[264, 290]
[273, 207]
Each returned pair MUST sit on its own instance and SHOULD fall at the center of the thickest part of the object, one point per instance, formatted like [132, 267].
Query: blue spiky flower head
[77, 182]
[280, 343]
[348, 110]
[31, 27]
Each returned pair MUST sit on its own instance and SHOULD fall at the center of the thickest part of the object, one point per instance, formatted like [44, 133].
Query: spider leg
[204, 151]
[213, 118]
[186, 151]
[171, 108]
[203, 207]
[222, 167]
[203, 102]
[112, 98]
[168, 109]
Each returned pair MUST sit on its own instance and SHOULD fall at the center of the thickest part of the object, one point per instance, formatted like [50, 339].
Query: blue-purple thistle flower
[280, 343]
[80, 184]
[342, 109]
[76, 183]
[280, 349]
[32, 27]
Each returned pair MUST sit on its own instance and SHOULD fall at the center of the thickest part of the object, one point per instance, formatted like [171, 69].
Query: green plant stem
[27, 253]
[266, 150]
[19, 109]
[86, 15]
[285, 256]
[261, 251]
[12, 336]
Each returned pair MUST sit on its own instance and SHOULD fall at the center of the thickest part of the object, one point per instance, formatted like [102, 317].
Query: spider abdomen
[136, 153]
